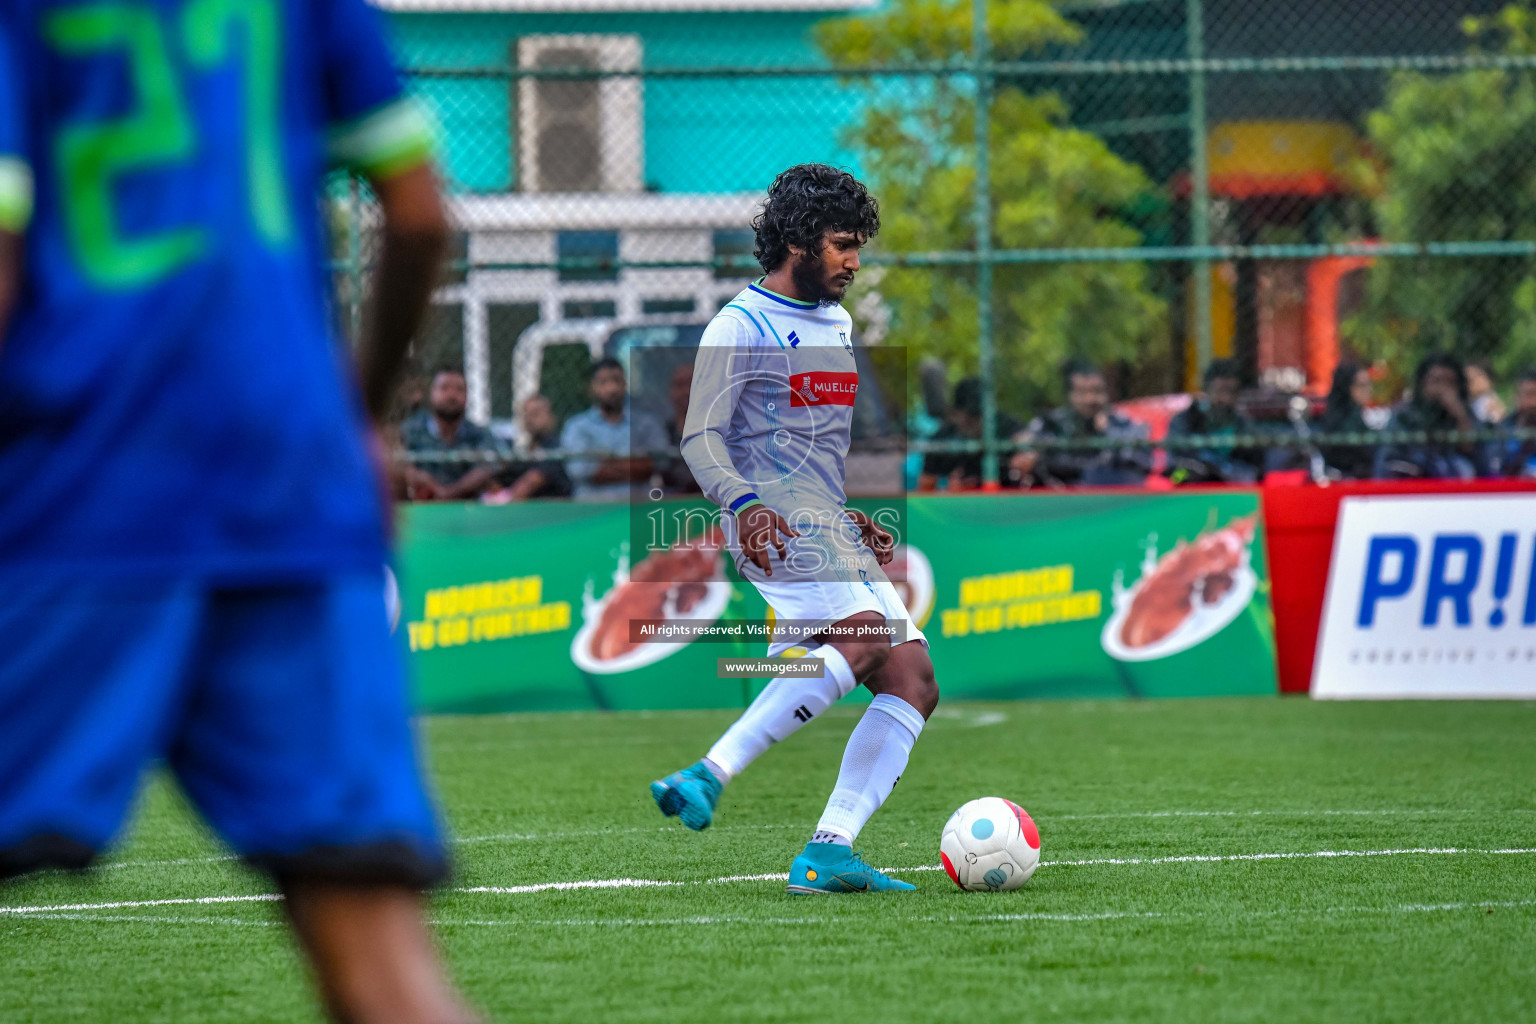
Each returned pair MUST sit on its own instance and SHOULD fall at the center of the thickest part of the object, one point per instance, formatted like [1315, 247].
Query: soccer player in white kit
[766, 434]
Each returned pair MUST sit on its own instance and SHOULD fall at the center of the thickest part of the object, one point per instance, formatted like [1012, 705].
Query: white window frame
[620, 109]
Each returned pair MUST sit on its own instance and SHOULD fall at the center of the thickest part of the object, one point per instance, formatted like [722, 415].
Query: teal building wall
[701, 135]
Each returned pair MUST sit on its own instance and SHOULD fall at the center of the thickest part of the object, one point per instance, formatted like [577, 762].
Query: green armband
[15, 194]
[391, 139]
[753, 500]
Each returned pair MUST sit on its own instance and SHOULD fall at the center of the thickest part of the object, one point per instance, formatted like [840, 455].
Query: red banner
[1300, 522]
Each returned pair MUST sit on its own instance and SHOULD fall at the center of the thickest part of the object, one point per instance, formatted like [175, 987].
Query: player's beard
[812, 282]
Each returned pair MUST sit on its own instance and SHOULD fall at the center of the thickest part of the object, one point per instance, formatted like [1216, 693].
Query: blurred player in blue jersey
[191, 525]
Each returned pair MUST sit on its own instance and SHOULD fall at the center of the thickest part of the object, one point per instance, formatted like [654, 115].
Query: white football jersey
[774, 386]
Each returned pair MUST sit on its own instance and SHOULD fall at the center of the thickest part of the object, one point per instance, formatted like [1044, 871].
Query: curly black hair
[804, 203]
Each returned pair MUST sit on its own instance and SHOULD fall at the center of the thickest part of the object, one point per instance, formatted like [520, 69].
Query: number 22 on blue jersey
[91, 157]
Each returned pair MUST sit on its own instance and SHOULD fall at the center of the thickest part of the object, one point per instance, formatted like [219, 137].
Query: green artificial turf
[531, 799]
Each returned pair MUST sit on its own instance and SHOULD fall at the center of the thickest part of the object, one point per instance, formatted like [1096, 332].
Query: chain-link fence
[1253, 224]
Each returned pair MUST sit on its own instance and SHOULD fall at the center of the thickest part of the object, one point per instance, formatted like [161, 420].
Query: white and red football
[990, 845]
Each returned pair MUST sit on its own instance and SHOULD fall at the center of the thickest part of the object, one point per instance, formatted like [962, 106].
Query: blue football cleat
[829, 867]
[689, 794]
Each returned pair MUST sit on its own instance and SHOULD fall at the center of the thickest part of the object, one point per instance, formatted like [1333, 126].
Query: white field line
[774, 876]
[622, 883]
[590, 883]
[149, 919]
[58, 907]
[517, 837]
[821, 922]
[174, 862]
[643, 883]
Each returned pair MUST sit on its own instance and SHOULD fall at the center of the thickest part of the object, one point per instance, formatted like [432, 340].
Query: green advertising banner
[526, 607]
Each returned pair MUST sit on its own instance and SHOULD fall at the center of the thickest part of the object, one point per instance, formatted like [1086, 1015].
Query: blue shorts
[282, 711]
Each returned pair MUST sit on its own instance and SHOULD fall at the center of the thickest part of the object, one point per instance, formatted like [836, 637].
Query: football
[990, 845]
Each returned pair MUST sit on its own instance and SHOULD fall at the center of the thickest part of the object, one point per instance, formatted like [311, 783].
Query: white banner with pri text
[1430, 597]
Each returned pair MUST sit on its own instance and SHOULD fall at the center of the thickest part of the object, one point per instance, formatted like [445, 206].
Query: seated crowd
[615, 442]
[1108, 448]
[1086, 442]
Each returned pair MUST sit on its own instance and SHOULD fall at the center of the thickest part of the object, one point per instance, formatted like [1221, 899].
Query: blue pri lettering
[1529, 619]
[1503, 570]
[1459, 592]
[1376, 588]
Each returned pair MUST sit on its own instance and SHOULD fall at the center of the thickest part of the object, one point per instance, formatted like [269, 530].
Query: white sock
[876, 756]
[785, 704]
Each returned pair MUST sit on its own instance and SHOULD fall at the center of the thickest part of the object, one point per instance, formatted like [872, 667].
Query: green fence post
[981, 46]
[1200, 179]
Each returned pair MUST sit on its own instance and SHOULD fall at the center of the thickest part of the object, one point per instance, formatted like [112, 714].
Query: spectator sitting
[961, 470]
[533, 478]
[1344, 413]
[925, 418]
[1485, 403]
[610, 427]
[1214, 412]
[1439, 403]
[675, 475]
[1517, 456]
[441, 427]
[1086, 415]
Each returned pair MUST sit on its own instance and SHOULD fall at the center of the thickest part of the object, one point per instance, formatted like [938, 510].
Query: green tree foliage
[1052, 185]
[1456, 162]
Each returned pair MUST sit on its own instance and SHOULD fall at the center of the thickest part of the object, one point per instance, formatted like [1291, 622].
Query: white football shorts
[824, 603]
